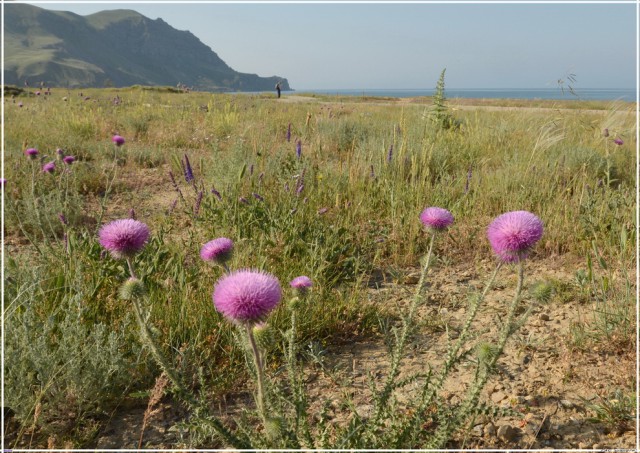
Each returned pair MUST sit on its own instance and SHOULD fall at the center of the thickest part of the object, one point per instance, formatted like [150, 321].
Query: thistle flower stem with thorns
[259, 372]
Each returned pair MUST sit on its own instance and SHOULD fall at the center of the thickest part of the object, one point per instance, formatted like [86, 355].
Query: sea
[600, 94]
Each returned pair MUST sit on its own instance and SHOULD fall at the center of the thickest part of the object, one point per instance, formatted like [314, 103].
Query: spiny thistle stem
[445, 430]
[452, 358]
[147, 339]
[402, 339]
[259, 372]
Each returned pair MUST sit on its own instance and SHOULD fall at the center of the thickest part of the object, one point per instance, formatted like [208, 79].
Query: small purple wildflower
[261, 176]
[37, 93]
[218, 250]
[618, 141]
[216, 193]
[68, 159]
[175, 184]
[243, 200]
[299, 149]
[301, 284]
[117, 139]
[124, 237]
[512, 235]
[60, 152]
[257, 197]
[247, 296]
[49, 167]
[436, 219]
[469, 174]
[188, 172]
[31, 152]
[299, 189]
[63, 219]
[289, 133]
[173, 206]
[390, 153]
[20, 104]
[196, 208]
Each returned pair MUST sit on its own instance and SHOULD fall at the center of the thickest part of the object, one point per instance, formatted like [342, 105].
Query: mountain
[113, 48]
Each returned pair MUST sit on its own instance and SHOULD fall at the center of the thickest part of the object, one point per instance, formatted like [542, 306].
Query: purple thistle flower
[436, 219]
[390, 153]
[216, 193]
[257, 197]
[196, 208]
[289, 133]
[299, 149]
[63, 219]
[117, 139]
[20, 104]
[218, 250]
[60, 152]
[513, 234]
[247, 296]
[322, 211]
[37, 93]
[124, 237]
[618, 141]
[49, 167]
[243, 200]
[68, 159]
[188, 172]
[301, 284]
[31, 152]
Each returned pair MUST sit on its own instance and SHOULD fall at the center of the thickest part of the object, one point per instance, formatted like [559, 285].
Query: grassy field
[327, 187]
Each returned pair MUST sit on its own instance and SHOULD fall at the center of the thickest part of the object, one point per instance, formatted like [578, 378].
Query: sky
[406, 46]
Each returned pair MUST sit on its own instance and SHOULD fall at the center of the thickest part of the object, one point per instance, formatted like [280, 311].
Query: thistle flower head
[68, 160]
[618, 141]
[301, 284]
[117, 140]
[219, 250]
[513, 234]
[31, 152]
[60, 152]
[124, 237]
[132, 289]
[436, 219]
[49, 167]
[247, 296]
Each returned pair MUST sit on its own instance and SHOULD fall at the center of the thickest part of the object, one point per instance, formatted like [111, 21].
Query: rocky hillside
[113, 48]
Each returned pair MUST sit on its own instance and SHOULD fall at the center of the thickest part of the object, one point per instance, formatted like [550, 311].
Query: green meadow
[323, 186]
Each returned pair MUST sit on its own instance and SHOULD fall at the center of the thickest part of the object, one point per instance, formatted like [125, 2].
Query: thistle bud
[132, 289]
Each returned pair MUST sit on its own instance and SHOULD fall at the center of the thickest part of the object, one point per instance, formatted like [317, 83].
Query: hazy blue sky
[325, 46]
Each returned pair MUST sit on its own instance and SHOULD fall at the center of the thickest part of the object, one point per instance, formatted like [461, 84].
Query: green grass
[553, 163]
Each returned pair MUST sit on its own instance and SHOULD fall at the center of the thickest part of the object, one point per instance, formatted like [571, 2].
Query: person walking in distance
[278, 89]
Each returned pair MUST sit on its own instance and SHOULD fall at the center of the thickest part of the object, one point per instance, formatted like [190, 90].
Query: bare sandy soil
[544, 384]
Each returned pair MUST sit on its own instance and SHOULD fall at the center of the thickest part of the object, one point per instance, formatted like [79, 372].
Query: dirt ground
[546, 386]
